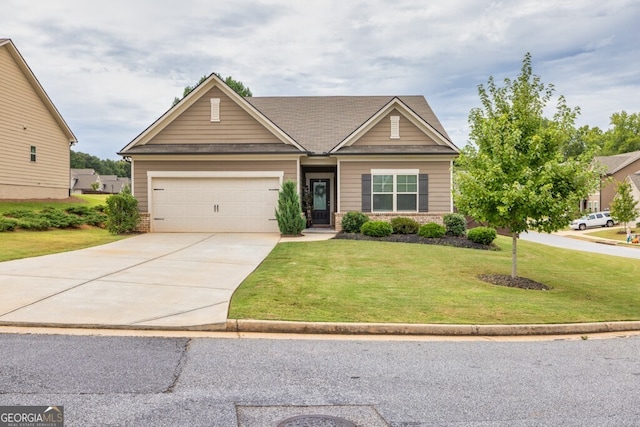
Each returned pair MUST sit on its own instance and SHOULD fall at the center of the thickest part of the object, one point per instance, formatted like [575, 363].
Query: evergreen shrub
[432, 230]
[376, 229]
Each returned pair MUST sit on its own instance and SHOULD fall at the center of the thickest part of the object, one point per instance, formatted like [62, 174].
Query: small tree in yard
[513, 175]
[289, 212]
[623, 208]
[122, 212]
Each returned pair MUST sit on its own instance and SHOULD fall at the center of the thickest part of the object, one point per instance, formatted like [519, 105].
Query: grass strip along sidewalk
[360, 281]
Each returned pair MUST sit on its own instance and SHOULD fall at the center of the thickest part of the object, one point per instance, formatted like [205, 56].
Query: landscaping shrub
[7, 224]
[289, 212]
[455, 224]
[96, 219]
[376, 229]
[20, 213]
[79, 210]
[432, 230]
[34, 223]
[59, 219]
[482, 235]
[352, 222]
[402, 225]
[122, 213]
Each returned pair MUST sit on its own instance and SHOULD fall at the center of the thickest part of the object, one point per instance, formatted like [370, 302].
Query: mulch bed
[513, 282]
[458, 242]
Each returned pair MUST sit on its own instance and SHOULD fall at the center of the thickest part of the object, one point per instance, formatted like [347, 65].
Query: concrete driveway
[155, 280]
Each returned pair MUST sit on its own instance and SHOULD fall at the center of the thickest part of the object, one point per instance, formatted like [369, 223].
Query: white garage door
[214, 204]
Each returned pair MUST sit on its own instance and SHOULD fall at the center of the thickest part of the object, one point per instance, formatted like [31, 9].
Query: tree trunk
[514, 259]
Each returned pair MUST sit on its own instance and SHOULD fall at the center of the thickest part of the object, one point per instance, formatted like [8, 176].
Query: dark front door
[321, 212]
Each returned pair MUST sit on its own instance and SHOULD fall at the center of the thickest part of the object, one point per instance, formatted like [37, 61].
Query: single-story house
[34, 138]
[84, 180]
[88, 180]
[616, 169]
[113, 184]
[216, 160]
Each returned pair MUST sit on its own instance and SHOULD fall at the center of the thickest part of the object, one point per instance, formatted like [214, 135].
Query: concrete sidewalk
[155, 280]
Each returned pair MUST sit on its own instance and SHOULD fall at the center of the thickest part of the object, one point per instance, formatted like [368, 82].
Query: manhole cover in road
[316, 421]
[309, 416]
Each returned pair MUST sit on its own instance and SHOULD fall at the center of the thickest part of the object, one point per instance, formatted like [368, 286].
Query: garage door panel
[214, 204]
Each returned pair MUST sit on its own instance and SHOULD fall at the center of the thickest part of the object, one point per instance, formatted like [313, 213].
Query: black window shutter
[366, 192]
[423, 192]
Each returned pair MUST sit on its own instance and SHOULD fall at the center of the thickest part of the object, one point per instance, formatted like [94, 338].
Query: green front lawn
[25, 244]
[617, 233]
[358, 281]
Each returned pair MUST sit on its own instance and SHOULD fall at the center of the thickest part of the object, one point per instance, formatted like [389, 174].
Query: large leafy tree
[624, 135]
[236, 85]
[81, 160]
[623, 207]
[513, 173]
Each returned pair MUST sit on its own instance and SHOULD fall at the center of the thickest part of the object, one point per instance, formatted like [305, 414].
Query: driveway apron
[155, 280]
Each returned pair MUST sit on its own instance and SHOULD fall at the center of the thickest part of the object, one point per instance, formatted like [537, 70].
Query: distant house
[114, 184]
[88, 181]
[617, 168]
[34, 138]
[83, 180]
[634, 180]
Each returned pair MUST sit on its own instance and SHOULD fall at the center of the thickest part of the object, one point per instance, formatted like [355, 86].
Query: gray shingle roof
[319, 123]
[267, 148]
[616, 162]
[396, 149]
[635, 178]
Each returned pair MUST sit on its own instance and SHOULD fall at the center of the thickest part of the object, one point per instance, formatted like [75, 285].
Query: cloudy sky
[113, 67]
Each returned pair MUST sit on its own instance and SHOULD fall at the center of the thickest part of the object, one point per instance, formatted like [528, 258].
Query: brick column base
[144, 226]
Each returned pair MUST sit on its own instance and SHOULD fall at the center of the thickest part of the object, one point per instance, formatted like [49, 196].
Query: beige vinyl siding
[439, 182]
[141, 167]
[608, 191]
[380, 134]
[20, 108]
[195, 125]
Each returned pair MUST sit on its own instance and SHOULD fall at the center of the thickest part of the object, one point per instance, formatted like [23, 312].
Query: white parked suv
[596, 219]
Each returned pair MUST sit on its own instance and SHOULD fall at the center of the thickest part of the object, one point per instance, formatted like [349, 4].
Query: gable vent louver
[395, 127]
[215, 109]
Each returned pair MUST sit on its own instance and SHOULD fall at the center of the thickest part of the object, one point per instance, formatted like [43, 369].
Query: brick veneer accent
[420, 217]
[144, 226]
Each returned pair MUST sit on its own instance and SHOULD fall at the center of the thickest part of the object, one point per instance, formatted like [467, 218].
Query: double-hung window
[394, 191]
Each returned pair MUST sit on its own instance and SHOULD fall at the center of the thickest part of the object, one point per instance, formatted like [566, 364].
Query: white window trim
[395, 127]
[215, 110]
[395, 173]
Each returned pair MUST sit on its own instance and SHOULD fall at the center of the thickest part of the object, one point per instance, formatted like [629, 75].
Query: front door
[321, 211]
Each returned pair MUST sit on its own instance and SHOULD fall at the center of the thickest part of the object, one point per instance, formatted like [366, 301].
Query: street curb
[339, 328]
[345, 328]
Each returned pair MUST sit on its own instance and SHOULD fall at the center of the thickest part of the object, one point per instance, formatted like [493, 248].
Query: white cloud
[112, 68]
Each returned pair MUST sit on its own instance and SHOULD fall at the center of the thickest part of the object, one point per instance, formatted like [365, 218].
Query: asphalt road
[129, 381]
[580, 245]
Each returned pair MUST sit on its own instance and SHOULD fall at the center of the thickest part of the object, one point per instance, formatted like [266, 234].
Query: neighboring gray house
[113, 184]
[87, 180]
